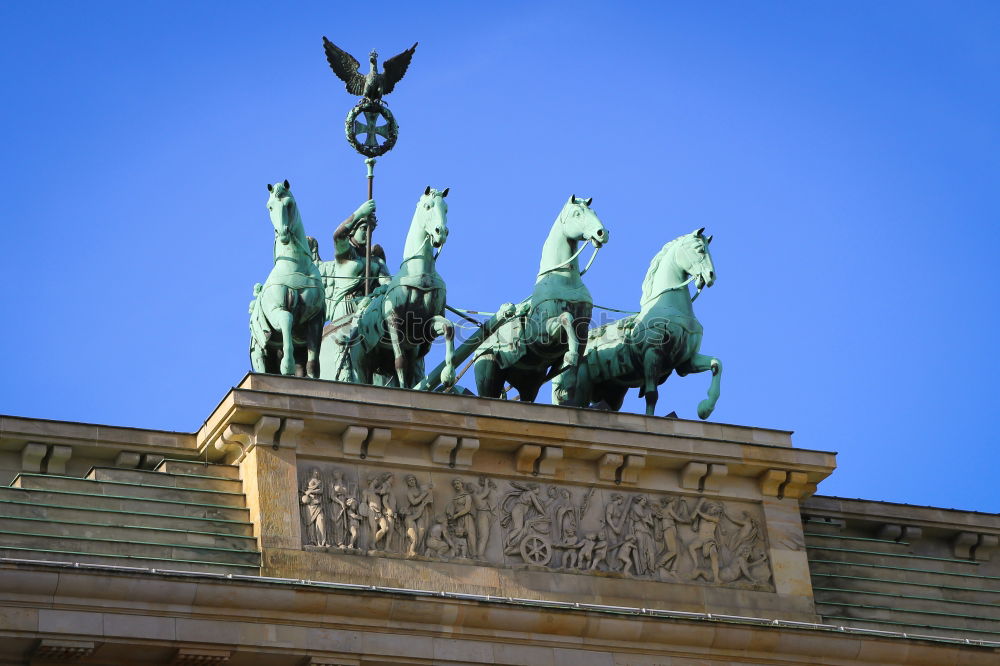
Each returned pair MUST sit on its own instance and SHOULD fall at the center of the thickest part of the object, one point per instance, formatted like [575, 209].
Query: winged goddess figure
[375, 84]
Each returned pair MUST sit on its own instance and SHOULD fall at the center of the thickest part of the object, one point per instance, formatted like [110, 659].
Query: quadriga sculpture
[287, 312]
[395, 330]
[529, 350]
[643, 349]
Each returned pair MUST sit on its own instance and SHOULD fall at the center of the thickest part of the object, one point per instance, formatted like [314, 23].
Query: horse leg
[442, 326]
[701, 363]
[257, 358]
[651, 371]
[393, 323]
[564, 322]
[314, 335]
[489, 381]
[282, 320]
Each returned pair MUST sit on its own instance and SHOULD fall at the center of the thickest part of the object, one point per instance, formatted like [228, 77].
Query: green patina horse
[287, 313]
[643, 349]
[552, 333]
[395, 330]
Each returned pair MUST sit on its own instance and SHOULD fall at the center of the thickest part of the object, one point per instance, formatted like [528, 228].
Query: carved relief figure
[484, 501]
[640, 526]
[353, 522]
[614, 516]
[626, 554]
[371, 508]
[417, 515]
[586, 555]
[672, 510]
[338, 507]
[524, 504]
[439, 542]
[389, 513]
[461, 520]
[707, 515]
[571, 547]
[312, 502]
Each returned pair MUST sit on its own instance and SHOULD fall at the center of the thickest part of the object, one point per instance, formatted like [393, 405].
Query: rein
[571, 259]
[434, 256]
[679, 286]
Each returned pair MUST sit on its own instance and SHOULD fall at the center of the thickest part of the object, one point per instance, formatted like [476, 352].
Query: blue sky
[844, 155]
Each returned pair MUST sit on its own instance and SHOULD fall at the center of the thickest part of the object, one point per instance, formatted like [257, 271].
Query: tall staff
[371, 88]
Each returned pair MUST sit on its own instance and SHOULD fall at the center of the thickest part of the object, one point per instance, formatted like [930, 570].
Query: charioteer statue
[344, 285]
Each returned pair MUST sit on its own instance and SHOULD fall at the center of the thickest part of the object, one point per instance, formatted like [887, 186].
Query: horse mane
[654, 265]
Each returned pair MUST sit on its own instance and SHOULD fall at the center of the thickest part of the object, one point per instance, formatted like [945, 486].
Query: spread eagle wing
[395, 67]
[345, 67]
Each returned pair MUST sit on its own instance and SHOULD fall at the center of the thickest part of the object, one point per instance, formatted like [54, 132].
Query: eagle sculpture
[375, 84]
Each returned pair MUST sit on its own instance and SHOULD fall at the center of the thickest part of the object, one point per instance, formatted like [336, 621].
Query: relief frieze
[511, 523]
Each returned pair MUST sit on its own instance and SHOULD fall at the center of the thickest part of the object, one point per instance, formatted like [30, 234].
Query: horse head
[694, 258]
[579, 222]
[283, 211]
[432, 215]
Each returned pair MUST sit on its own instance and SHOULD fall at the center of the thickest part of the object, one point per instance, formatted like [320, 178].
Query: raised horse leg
[564, 322]
[701, 363]
[442, 326]
[564, 384]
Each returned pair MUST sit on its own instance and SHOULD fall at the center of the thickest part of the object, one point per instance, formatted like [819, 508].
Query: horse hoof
[705, 409]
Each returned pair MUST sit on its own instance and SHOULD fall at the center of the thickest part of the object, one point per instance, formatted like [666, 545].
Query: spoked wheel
[536, 550]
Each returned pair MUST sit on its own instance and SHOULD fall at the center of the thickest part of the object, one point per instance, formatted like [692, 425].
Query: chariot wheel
[536, 550]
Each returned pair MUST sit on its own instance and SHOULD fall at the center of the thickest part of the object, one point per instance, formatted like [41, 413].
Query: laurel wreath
[392, 129]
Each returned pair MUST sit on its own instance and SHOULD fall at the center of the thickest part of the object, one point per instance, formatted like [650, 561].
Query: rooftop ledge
[325, 409]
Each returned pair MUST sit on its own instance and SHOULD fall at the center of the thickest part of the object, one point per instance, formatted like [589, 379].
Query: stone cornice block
[714, 479]
[150, 461]
[378, 439]
[59, 454]
[607, 466]
[987, 544]
[630, 470]
[770, 482]
[442, 447]
[525, 457]
[352, 438]
[467, 447]
[891, 532]
[795, 486]
[551, 460]
[264, 430]
[236, 435]
[290, 432]
[127, 459]
[32, 455]
[692, 474]
[963, 543]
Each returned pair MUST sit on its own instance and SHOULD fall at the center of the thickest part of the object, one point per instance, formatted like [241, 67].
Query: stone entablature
[461, 494]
